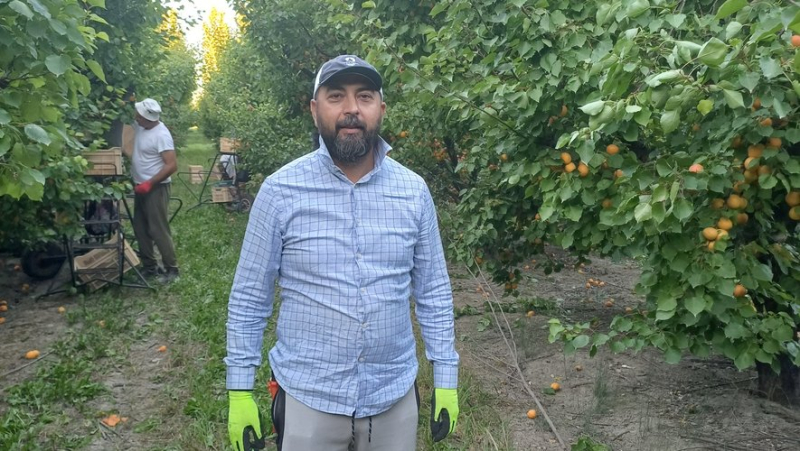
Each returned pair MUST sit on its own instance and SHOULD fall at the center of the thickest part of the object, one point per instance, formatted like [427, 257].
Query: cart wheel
[246, 203]
[43, 263]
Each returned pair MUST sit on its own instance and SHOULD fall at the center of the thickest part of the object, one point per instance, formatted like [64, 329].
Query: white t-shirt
[228, 162]
[146, 161]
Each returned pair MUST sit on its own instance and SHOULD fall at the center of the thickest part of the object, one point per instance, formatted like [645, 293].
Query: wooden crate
[196, 174]
[221, 194]
[104, 162]
[104, 264]
[128, 137]
[229, 145]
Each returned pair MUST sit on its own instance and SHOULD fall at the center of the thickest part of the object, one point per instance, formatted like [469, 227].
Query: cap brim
[369, 74]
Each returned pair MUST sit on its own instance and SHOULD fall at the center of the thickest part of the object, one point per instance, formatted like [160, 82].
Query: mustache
[350, 122]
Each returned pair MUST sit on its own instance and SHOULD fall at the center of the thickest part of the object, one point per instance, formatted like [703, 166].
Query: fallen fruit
[530, 313]
[609, 304]
[578, 368]
[111, 420]
[162, 348]
[17, 268]
[555, 386]
[628, 310]
[2, 320]
[531, 414]
[30, 355]
[3, 308]
[61, 310]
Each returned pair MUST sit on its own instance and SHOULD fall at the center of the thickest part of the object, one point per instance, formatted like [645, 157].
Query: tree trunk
[783, 388]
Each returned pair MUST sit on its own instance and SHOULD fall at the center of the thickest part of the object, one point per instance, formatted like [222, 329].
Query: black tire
[246, 203]
[44, 262]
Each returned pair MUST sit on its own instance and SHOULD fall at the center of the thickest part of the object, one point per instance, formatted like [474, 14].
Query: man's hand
[444, 412]
[143, 188]
[244, 423]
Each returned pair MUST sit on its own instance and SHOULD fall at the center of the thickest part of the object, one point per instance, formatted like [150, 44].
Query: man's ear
[313, 107]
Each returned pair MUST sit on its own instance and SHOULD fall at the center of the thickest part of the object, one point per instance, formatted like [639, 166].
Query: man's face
[142, 121]
[348, 112]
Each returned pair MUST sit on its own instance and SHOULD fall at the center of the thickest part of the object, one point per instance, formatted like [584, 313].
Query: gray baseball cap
[348, 64]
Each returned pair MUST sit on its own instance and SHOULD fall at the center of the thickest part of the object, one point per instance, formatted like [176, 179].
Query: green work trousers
[151, 225]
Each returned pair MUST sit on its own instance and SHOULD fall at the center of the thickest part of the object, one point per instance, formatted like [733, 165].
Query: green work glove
[244, 422]
[444, 412]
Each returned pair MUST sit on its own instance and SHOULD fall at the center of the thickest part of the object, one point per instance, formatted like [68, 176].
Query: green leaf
[664, 77]
[672, 356]
[705, 106]
[5, 118]
[633, 109]
[58, 64]
[736, 330]
[749, 80]
[21, 8]
[38, 134]
[744, 360]
[734, 98]
[761, 271]
[713, 52]
[769, 67]
[695, 304]
[636, 8]
[730, 7]
[96, 69]
[97, 3]
[670, 120]
[580, 341]
[368, 5]
[667, 304]
[732, 29]
[438, 8]
[643, 212]
[593, 108]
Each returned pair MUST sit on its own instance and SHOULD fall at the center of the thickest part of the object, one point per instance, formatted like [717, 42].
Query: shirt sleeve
[253, 290]
[434, 298]
[165, 142]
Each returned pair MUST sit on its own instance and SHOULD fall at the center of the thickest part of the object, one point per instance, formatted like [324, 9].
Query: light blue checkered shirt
[348, 257]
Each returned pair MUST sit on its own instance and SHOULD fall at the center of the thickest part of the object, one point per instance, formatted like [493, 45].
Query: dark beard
[350, 149]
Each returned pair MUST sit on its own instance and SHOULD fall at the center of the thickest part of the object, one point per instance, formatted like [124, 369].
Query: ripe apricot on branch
[796, 41]
[612, 149]
[566, 157]
[739, 290]
[725, 224]
[710, 233]
[570, 167]
[696, 168]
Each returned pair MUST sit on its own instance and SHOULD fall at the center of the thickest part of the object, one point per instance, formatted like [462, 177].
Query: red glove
[143, 188]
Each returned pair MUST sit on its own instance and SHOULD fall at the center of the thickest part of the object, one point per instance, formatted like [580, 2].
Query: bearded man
[350, 236]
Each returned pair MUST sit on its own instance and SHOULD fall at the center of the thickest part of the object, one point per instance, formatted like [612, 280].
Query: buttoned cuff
[239, 378]
[445, 376]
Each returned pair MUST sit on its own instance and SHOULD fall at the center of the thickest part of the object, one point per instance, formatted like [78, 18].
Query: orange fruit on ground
[583, 170]
[717, 203]
[30, 355]
[793, 198]
[710, 233]
[628, 310]
[61, 310]
[570, 167]
[578, 368]
[607, 203]
[3, 302]
[618, 173]
[609, 303]
[736, 202]
[775, 143]
[696, 168]
[742, 218]
[796, 41]
[794, 213]
[739, 290]
[755, 151]
[2, 320]
[566, 157]
[3, 308]
[162, 348]
[531, 414]
[530, 313]
[612, 149]
[403, 134]
[725, 224]
[766, 122]
[555, 386]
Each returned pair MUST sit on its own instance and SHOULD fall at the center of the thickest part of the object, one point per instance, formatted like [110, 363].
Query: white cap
[149, 109]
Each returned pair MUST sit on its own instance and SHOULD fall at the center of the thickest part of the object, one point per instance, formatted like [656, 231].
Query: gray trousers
[151, 225]
[301, 428]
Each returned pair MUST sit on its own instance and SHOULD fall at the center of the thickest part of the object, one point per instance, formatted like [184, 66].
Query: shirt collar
[382, 149]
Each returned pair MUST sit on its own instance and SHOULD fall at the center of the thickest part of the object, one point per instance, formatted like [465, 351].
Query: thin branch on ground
[20, 368]
[722, 384]
[492, 367]
[508, 338]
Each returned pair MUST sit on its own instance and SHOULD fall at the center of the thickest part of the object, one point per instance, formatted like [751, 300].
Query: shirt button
[361, 359]
[364, 290]
[364, 326]
[358, 255]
